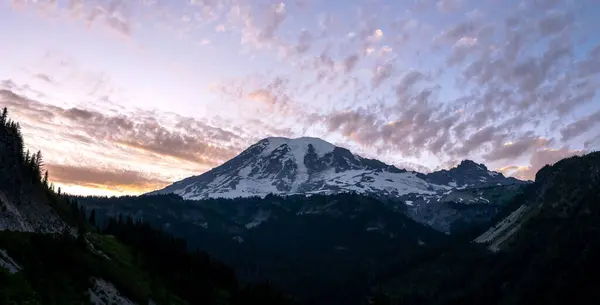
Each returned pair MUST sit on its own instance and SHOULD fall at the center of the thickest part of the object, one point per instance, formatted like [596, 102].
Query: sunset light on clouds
[125, 97]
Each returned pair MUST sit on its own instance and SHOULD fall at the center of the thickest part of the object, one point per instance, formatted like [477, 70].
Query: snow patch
[392, 183]
[321, 147]
[247, 187]
[244, 172]
[408, 202]
[298, 150]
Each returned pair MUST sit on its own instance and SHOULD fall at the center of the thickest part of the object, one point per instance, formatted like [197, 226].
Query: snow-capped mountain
[305, 165]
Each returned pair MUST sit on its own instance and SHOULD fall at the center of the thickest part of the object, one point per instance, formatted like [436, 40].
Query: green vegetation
[15, 290]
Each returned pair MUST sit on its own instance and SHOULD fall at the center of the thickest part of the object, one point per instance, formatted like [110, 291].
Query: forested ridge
[328, 255]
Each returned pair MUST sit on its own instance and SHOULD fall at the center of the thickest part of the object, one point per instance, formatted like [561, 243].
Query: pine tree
[33, 160]
[39, 159]
[19, 139]
[45, 180]
[4, 116]
[37, 166]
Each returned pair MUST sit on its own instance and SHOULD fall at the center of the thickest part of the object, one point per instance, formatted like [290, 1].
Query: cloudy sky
[124, 97]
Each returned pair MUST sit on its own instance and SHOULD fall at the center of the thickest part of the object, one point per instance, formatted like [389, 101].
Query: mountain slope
[26, 201]
[311, 166]
[292, 166]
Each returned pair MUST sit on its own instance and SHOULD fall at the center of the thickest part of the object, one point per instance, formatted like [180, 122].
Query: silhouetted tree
[4, 116]
[45, 180]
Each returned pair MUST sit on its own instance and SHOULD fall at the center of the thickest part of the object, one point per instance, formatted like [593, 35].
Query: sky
[125, 97]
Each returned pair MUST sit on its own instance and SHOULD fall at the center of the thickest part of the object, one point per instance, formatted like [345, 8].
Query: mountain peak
[469, 164]
[299, 140]
[298, 146]
[308, 165]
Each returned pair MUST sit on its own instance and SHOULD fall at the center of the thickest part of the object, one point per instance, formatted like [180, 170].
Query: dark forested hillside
[324, 249]
[553, 258]
[50, 253]
[27, 202]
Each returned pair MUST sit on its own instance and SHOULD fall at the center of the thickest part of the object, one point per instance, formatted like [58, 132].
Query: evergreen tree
[4, 116]
[45, 180]
[39, 160]
[38, 165]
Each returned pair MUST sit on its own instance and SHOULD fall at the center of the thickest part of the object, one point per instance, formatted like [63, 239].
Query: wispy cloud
[113, 15]
[430, 81]
[449, 6]
[140, 136]
[111, 179]
[580, 126]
